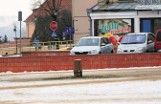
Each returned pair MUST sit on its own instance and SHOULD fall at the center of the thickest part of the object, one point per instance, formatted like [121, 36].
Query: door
[146, 25]
[105, 45]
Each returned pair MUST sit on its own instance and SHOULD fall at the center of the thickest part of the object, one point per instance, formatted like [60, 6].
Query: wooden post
[77, 68]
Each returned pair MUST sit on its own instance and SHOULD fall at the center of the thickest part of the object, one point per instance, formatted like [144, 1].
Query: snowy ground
[97, 87]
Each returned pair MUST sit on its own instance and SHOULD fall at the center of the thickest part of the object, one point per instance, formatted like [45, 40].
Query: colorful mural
[114, 26]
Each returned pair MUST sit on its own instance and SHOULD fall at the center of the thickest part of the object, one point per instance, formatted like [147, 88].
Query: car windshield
[88, 42]
[133, 39]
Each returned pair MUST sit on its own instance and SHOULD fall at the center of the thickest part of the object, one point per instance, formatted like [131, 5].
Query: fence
[35, 46]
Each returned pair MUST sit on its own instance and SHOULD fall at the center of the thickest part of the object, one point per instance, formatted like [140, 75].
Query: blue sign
[36, 39]
[69, 30]
[53, 35]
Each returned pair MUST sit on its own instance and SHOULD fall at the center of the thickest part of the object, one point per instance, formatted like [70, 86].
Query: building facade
[93, 17]
[122, 16]
[81, 21]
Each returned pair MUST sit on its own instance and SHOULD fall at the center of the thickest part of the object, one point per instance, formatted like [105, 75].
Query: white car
[92, 45]
[137, 43]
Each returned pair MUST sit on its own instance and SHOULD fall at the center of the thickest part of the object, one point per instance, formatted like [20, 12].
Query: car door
[158, 40]
[150, 43]
[105, 45]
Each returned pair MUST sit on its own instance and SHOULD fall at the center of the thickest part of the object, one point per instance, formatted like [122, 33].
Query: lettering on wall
[115, 26]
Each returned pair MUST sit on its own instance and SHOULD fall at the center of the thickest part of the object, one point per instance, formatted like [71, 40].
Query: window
[159, 36]
[150, 37]
[105, 41]
[134, 39]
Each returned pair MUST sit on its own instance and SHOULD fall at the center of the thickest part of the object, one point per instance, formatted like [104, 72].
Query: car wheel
[155, 49]
[147, 51]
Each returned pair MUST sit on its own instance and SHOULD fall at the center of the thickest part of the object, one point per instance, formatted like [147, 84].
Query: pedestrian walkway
[98, 73]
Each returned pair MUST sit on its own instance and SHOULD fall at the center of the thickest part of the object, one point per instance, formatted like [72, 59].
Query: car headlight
[140, 49]
[72, 53]
[119, 50]
[93, 52]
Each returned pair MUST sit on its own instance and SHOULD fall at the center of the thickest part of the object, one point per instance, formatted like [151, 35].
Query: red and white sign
[53, 25]
[122, 30]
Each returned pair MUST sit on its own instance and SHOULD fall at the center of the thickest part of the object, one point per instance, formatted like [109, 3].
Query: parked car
[137, 43]
[92, 45]
[158, 40]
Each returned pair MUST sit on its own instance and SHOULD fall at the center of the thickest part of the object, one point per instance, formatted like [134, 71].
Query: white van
[137, 43]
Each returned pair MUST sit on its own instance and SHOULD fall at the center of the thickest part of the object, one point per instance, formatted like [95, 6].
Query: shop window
[114, 26]
[157, 24]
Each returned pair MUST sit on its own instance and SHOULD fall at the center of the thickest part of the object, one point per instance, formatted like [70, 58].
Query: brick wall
[66, 62]
[45, 53]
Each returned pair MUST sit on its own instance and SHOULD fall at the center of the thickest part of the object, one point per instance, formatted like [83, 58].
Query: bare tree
[52, 11]
[5, 39]
[1, 40]
[51, 7]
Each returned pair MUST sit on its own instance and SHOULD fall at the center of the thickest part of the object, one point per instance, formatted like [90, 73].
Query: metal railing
[35, 46]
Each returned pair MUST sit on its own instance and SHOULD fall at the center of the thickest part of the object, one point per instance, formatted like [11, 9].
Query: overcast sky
[9, 12]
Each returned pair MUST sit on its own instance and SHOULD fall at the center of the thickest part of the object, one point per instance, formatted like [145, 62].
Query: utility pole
[88, 14]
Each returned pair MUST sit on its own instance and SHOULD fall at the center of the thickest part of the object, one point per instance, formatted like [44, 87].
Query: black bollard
[77, 68]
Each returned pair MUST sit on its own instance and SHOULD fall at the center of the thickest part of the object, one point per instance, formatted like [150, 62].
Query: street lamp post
[15, 37]
[20, 19]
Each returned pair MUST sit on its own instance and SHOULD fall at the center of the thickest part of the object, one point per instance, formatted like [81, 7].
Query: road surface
[123, 86]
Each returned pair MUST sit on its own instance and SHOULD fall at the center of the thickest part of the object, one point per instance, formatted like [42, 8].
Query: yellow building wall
[81, 21]
[79, 7]
[30, 28]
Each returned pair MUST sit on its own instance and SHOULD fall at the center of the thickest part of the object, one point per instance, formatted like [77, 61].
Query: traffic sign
[69, 30]
[53, 25]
